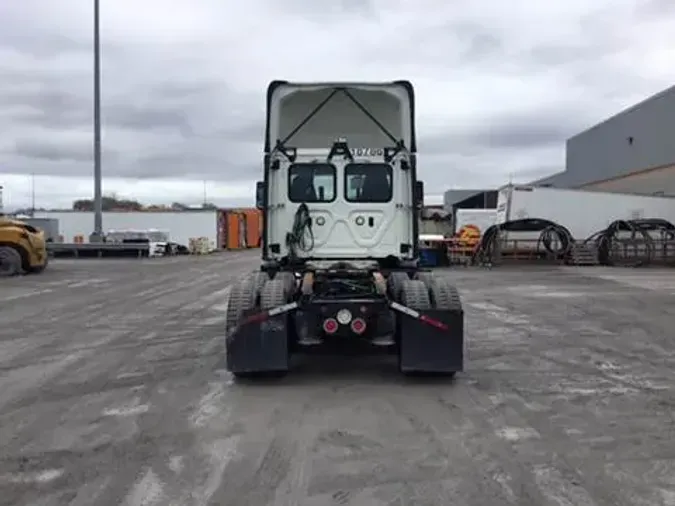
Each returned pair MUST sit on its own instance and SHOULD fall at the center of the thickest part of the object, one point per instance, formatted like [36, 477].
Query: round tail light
[358, 326]
[330, 326]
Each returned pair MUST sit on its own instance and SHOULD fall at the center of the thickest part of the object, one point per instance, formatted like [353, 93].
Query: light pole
[32, 195]
[97, 235]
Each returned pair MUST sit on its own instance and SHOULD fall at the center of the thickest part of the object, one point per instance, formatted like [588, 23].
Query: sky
[499, 86]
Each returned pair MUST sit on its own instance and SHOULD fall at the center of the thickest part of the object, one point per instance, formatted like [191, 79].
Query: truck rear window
[311, 182]
[368, 182]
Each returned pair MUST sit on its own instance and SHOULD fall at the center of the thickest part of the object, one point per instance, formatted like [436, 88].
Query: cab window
[311, 182]
[368, 182]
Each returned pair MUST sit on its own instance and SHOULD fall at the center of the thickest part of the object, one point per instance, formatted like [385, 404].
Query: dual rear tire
[257, 290]
[427, 292]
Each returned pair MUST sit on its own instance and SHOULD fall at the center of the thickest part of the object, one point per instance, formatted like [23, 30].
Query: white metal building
[181, 225]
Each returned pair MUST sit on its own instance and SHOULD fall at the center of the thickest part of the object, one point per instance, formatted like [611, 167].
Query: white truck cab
[340, 172]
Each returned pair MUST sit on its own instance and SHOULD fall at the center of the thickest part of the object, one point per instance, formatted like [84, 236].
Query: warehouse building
[631, 152]
[469, 199]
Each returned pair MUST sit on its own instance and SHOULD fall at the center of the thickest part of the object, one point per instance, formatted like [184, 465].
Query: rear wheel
[242, 297]
[274, 293]
[416, 294]
[444, 295]
[288, 279]
[10, 262]
[426, 277]
[395, 282]
[257, 280]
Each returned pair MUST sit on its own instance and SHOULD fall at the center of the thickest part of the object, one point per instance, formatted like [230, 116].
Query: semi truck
[341, 200]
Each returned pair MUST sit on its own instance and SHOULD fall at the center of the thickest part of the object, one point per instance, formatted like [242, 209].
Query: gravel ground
[113, 392]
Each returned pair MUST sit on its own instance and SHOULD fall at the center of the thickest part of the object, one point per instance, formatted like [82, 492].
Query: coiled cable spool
[610, 239]
[555, 238]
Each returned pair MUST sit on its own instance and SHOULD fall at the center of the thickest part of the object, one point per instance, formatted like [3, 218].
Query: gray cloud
[475, 41]
[148, 117]
[529, 131]
[45, 47]
[43, 150]
[49, 108]
[655, 8]
[502, 135]
[499, 87]
[322, 12]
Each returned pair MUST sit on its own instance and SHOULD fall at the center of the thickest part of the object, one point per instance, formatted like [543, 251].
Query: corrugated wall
[638, 138]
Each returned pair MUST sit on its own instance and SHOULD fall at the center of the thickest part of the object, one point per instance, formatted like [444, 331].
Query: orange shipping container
[222, 229]
[253, 227]
[236, 230]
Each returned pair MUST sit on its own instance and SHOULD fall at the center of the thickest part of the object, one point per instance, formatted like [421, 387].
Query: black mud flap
[426, 347]
[259, 346]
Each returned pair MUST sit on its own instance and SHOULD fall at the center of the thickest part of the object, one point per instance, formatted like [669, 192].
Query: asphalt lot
[113, 392]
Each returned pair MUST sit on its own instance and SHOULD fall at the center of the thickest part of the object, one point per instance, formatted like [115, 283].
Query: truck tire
[10, 262]
[258, 278]
[415, 295]
[395, 282]
[274, 293]
[426, 276]
[444, 295]
[242, 297]
[288, 279]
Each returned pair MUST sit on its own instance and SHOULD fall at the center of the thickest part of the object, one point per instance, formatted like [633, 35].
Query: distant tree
[83, 205]
[109, 203]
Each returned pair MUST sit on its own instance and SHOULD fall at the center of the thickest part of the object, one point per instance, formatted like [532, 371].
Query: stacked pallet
[199, 246]
[583, 253]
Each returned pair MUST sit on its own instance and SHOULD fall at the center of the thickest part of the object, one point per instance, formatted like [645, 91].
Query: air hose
[550, 234]
[301, 236]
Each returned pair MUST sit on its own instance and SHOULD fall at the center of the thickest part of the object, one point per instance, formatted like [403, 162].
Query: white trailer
[482, 219]
[180, 225]
[583, 213]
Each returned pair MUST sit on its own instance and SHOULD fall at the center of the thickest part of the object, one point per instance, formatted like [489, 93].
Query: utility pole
[32, 195]
[97, 235]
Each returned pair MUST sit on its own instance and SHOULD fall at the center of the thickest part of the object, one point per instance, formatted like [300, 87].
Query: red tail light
[358, 326]
[330, 325]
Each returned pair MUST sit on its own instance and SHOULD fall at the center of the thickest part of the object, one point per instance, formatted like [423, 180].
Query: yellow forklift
[23, 248]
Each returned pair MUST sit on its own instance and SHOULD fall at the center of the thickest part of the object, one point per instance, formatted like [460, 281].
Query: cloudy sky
[500, 85]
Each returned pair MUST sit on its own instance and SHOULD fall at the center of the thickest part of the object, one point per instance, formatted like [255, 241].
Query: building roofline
[660, 94]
